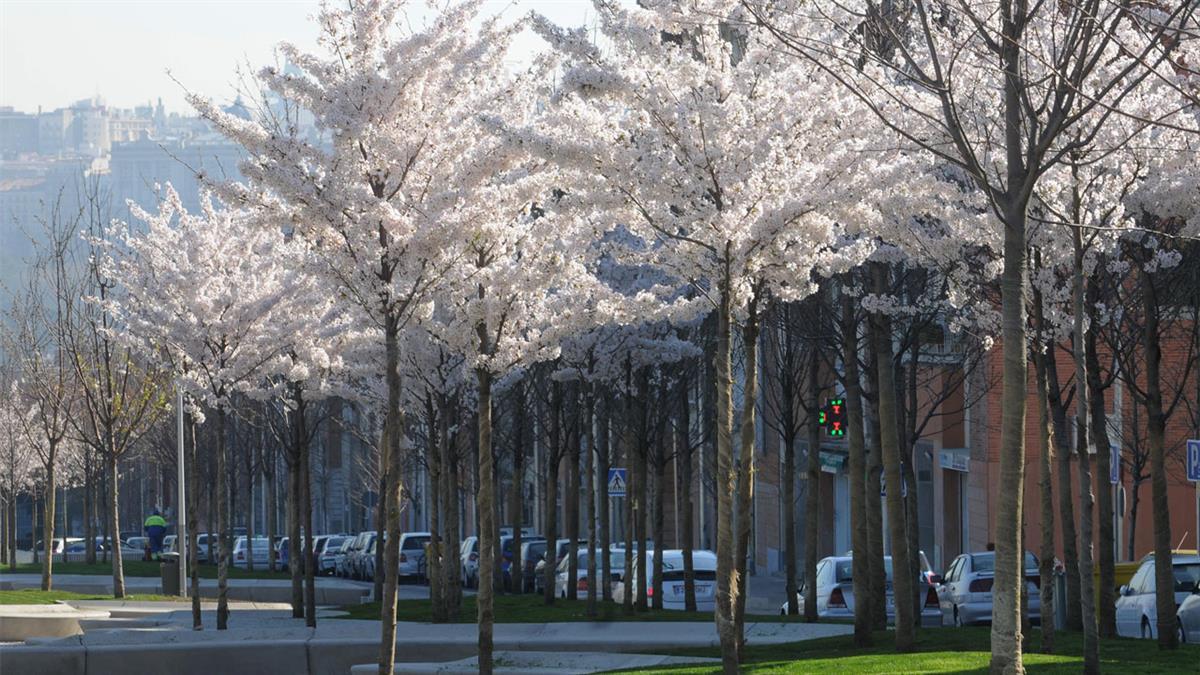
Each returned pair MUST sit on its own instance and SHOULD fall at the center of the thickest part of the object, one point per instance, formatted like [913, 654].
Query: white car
[616, 561]
[835, 592]
[412, 554]
[259, 552]
[1188, 617]
[1136, 607]
[468, 566]
[704, 568]
[965, 592]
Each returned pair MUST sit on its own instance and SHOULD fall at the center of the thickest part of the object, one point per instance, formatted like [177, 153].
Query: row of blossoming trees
[640, 210]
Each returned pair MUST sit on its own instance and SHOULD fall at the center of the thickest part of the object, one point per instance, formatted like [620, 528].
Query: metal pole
[181, 540]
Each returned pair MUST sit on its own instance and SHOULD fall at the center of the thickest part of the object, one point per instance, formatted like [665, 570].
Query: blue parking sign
[1193, 460]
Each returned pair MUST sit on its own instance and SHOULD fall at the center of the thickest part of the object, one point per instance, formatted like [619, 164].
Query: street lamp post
[181, 522]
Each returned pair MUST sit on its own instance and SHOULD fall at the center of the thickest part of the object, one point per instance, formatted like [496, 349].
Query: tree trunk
[487, 527]
[877, 575]
[516, 569]
[307, 561]
[89, 525]
[656, 520]
[269, 497]
[603, 450]
[640, 492]
[1091, 648]
[726, 565]
[392, 498]
[571, 505]
[1045, 483]
[381, 513]
[683, 459]
[589, 494]
[48, 524]
[812, 488]
[435, 559]
[223, 551]
[745, 485]
[856, 462]
[1066, 501]
[293, 525]
[553, 455]
[114, 524]
[451, 532]
[1009, 577]
[191, 460]
[1155, 432]
[889, 437]
[1106, 600]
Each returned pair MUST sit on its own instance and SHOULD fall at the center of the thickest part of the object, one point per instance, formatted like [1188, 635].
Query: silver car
[412, 554]
[965, 591]
[1136, 606]
[469, 562]
[835, 592]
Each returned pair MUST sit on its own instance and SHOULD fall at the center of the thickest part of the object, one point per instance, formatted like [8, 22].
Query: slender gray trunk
[856, 462]
[904, 584]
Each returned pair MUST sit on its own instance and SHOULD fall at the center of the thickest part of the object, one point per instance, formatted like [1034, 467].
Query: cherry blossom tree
[930, 74]
[696, 134]
[400, 106]
[210, 295]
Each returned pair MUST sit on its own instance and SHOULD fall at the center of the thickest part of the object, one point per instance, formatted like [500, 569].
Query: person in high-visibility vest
[156, 529]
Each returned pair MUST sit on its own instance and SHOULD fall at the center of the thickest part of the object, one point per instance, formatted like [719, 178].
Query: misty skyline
[56, 52]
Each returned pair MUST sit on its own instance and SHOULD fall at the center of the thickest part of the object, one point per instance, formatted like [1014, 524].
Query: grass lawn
[38, 597]
[950, 650]
[532, 609]
[137, 568]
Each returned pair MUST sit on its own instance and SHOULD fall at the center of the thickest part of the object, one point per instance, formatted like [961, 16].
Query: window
[1138, 583]
[1186, 577]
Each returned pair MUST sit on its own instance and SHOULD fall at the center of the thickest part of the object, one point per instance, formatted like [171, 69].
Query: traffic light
[833, 417]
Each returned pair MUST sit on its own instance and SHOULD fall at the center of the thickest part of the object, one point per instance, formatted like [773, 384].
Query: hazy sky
[55, 52]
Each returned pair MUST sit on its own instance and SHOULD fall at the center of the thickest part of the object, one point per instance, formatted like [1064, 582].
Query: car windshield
[986, 562]
[415, 543]
[844, 572]
[1187, 577]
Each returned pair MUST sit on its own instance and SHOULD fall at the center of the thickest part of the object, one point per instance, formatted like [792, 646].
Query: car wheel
[1146, 635]
[958, 622]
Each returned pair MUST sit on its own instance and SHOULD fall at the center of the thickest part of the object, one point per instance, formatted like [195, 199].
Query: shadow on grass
[948, 650]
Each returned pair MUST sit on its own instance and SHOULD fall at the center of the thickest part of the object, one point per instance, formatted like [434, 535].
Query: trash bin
[169, 569]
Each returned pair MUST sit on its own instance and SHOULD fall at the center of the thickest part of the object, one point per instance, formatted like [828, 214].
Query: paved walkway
[330, 590]
[264, 640]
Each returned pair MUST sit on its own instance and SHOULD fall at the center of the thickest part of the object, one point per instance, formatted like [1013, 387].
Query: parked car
[616, 561]
[138, 548]
[202, 548]
[835, 592]
[505, 551]
[561, 546]
[1136, 607]
[331, 546]
[341, 560]
[412, 554]
[704, 567]
[468, 568]
[965, 591]
[366, 560]
[532, 553]
[169, 543]
[1188, 617]
[243, 552]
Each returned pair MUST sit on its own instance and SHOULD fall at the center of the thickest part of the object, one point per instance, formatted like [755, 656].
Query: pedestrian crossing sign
[616, 482]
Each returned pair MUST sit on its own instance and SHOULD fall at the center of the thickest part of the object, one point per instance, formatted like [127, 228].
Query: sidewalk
[330, 591]
[260, 642]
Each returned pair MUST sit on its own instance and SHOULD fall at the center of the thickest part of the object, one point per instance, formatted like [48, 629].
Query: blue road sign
[1114, 465]
[616, 482]
[1193, 460]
